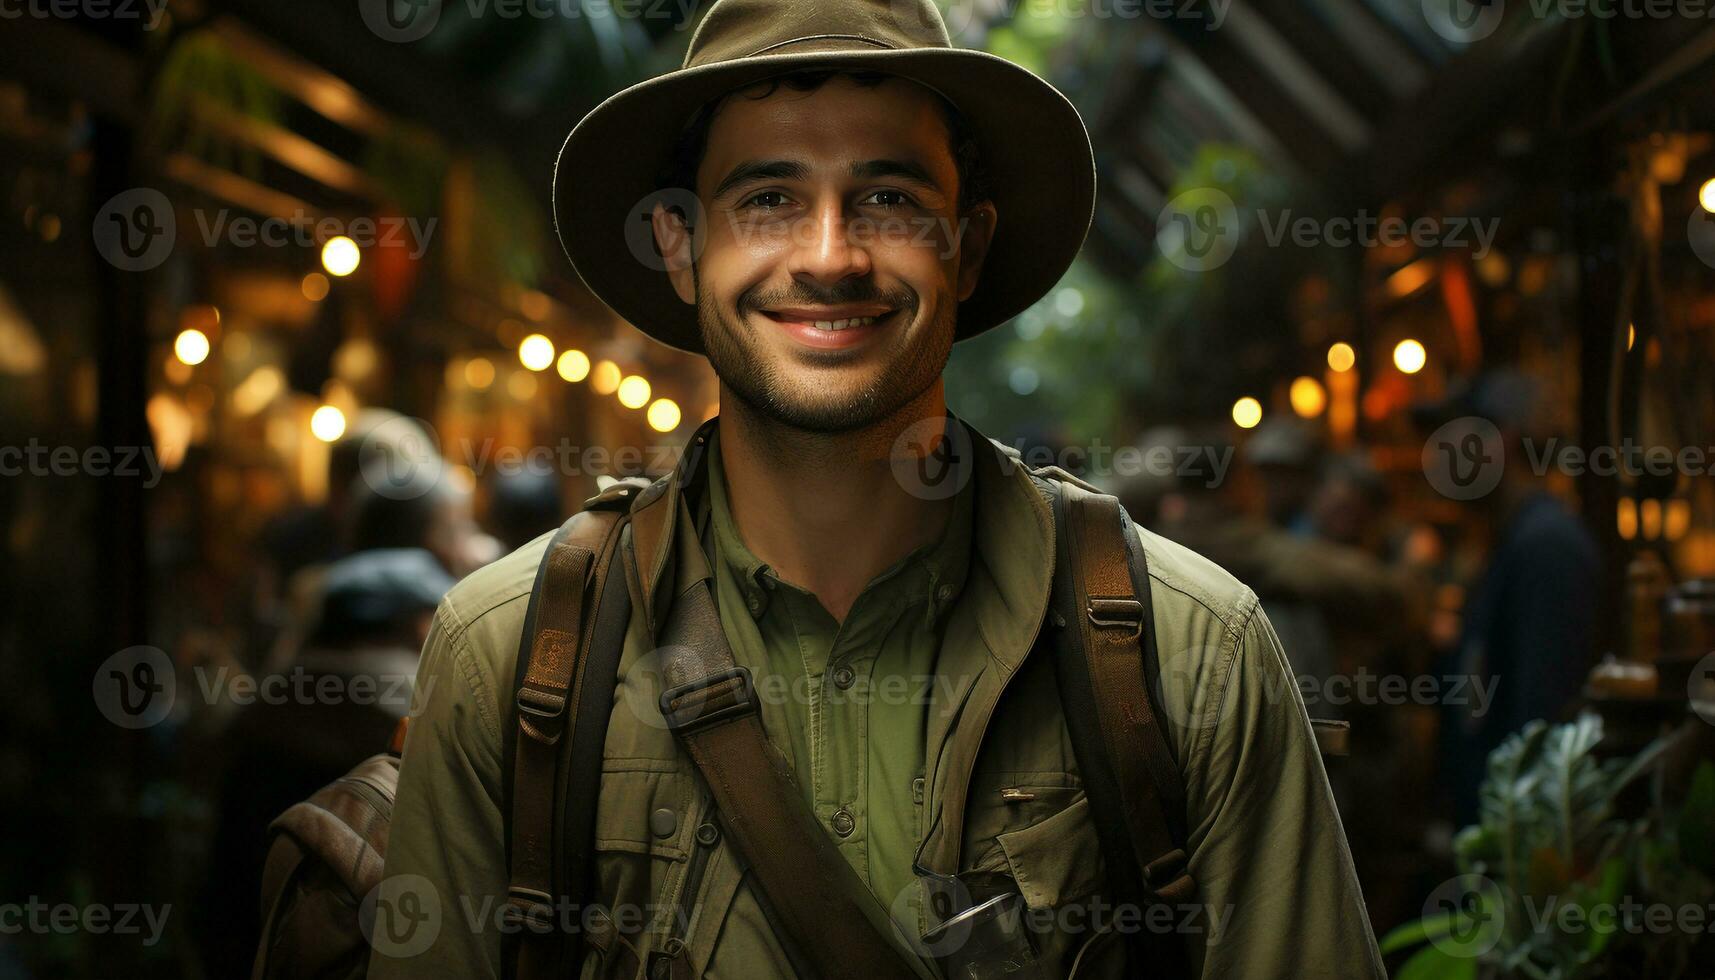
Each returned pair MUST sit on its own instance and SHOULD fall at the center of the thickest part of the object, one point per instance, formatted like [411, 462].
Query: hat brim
[1035, 149]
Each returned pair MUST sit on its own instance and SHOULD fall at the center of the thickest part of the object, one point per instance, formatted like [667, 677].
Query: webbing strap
[556, 675]
[1106, 643]
[827, 912]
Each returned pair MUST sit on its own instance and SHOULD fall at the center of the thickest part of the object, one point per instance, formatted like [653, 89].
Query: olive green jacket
[1277, 894]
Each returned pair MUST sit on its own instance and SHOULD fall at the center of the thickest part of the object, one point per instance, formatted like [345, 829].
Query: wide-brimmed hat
[1035, 149]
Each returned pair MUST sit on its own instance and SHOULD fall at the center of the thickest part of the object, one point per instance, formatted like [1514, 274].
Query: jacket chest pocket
[1036, 828]
[664, 871]
[644, 829]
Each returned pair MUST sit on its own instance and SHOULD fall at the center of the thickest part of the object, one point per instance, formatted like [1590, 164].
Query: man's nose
[824, 250]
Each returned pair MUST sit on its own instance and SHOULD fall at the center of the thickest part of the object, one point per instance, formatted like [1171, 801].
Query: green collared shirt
[846, 702]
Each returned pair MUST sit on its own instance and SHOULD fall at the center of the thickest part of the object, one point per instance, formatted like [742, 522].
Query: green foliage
[409, 163]
[1565, 868]
[1696, 830]
[199, 73]
[509, 230]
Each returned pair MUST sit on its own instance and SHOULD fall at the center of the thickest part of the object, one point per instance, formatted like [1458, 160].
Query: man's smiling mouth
[842, 326]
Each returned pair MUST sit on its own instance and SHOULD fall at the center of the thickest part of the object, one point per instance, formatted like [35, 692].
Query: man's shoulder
[1187, 589]
[492, 600]
[1189, 585]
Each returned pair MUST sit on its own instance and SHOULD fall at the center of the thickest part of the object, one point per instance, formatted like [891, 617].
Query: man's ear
[673, 238]
[976, 234]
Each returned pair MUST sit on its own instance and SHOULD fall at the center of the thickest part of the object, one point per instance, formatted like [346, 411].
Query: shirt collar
[933, 574]
[1010, 543]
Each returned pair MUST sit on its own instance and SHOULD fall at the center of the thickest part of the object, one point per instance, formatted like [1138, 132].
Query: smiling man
[822, 201]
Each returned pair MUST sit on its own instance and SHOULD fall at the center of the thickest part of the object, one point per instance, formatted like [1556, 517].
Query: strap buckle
[1109, 612]
[541, 704]
[527, 908]
[725, 694]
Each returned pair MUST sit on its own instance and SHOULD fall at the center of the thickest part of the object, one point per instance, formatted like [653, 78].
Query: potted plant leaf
[1557, 883]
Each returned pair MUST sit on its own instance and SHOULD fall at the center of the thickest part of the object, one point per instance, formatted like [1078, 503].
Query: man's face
[834, 255]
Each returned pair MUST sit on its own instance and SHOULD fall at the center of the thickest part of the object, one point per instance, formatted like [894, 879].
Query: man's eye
[767, 200]
[889, 199]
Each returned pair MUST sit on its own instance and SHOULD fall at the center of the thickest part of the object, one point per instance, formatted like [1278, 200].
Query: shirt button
[663, 822]
[944, 593]
[754, 601]
[844, 676]
[844, 823]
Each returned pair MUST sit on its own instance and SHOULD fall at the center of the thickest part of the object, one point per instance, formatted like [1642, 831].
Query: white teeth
[861, 321]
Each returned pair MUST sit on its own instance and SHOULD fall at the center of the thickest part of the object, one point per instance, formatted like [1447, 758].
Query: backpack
[326, 854]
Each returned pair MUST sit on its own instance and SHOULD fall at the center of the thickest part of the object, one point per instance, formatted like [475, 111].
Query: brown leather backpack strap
[1106, 653]
[548, 860]
[829, 917]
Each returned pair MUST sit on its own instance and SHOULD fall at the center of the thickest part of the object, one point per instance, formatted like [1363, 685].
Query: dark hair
[693, 142]
[399, 517]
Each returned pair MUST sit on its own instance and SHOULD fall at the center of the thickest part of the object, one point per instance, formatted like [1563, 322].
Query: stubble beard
[914, 362]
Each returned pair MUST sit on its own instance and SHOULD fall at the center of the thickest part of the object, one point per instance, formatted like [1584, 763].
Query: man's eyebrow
[906, 169]
[751, 170]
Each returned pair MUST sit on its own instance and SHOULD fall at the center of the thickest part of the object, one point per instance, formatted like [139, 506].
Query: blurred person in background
[1349, 504]
[1306, 583]
[1285, 455]
[343, 670]
[424, 507]
[523, 503]
[315, 534]
[394, 501]
[336, 704]
[298, 544]
[1529, 621]
[1341, 611]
